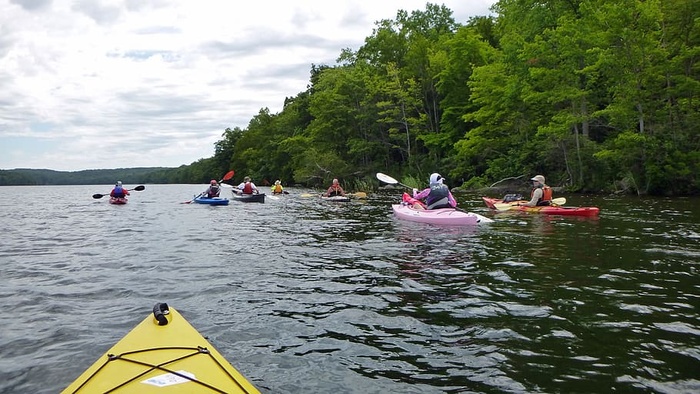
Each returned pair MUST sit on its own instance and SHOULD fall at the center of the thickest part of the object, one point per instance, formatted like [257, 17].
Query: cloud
[109, 84]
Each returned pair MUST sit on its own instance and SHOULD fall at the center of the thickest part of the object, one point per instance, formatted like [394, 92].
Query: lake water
[306, 296]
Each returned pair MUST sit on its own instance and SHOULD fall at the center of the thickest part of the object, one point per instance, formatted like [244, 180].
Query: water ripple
[302, 295]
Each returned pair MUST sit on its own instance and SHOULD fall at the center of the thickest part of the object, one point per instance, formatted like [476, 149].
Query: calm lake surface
[307, 296]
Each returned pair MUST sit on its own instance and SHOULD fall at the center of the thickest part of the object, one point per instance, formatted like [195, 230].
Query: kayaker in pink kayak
[437, 194]
[334, 190]
[541, 194]
[118, 191]
[214, 190]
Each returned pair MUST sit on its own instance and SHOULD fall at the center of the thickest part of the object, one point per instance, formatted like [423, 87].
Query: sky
[98, 84]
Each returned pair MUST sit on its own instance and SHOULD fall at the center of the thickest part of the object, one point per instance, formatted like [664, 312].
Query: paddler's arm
[536, 195]
[451, 200]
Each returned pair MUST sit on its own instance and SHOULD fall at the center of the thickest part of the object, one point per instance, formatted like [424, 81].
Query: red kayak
[118, 200]
[497, 203]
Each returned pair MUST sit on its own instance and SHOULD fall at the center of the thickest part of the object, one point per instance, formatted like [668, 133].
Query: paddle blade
[228, 176]
[503, 206]
[559, 201]
[359, 195]
[386, 178]
[305, 195]
[139, 188]
[97, 195]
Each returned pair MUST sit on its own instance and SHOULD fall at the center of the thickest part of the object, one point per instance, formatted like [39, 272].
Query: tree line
[598, 95]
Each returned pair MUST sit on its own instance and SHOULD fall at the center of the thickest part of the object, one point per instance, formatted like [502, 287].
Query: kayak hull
[118, 200]
[211, 201]
[441, 216]
[547, 210]
[153, 358]
[336, 198]
[260, 197]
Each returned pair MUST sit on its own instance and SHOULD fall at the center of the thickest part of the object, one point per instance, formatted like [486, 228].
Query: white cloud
[107, 84]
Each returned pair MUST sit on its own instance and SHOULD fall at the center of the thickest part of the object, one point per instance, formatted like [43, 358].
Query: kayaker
[118, 191]
[334, 190]
[541, 193]
[277, 187]
[247, 186]
[437, 194]
[214, 190]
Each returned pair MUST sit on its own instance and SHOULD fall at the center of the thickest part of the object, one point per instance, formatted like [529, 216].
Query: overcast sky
[91, 84]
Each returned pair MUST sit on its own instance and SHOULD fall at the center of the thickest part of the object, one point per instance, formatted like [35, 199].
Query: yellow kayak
[163, 354]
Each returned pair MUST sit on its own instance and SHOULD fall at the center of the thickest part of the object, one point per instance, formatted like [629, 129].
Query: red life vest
[247, 188]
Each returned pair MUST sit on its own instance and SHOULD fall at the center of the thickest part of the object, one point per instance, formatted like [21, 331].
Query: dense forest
[597, 95]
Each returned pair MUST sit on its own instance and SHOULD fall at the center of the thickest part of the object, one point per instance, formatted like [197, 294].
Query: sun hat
[436, 178]
[538, 178]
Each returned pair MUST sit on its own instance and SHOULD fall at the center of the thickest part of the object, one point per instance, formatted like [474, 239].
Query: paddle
[505, 206]
[226, 177]
[137, 188]
[359, 195]
[387, 179]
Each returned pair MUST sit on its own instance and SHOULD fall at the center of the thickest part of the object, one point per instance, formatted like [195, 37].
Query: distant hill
[28, 177]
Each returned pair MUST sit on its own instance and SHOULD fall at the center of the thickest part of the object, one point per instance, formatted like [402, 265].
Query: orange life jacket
[335, 191]
[546, 195]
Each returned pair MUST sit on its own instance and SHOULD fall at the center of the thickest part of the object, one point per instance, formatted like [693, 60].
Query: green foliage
[413, 181]
[596, 95]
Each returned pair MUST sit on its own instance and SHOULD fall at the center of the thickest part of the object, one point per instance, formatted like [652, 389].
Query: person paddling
[119, 191]
[437, 194]
[277, 187]
[214, 190]
[541, 194]
[334, 190]
[247, 186]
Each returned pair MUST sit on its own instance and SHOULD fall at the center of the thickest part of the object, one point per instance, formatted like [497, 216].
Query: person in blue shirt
[119, 191]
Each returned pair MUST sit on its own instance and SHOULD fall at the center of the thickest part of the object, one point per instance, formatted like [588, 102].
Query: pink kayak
[441, 216]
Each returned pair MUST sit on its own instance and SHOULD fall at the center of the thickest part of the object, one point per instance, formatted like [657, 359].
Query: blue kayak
[211, 201]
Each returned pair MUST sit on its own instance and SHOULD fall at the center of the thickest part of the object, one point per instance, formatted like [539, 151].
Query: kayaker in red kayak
[541, 194]
[334, 190]
[247, 186]
[437, 195]
[214, 190]
[118, 191]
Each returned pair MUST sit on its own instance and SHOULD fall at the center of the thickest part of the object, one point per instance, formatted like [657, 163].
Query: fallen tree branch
[507, 179]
